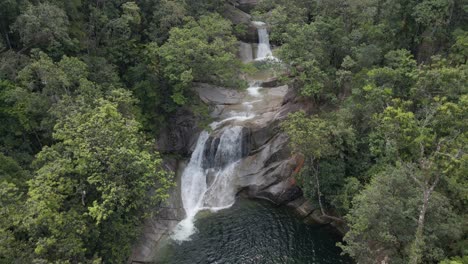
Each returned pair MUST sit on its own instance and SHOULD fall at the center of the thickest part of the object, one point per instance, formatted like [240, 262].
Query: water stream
[214, 161]
[215, 158]
[264, 48]
[247, 232]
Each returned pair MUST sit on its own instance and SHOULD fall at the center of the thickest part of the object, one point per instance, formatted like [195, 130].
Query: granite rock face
[246, 52]
[215, 95]
[240, 18]
[157, 227]
[266, 169]
[180, 135]
[246, 5]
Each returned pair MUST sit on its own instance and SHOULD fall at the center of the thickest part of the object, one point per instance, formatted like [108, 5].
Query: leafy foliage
[383, 213]
[85, 86]
[43, 25]
[203, 51]
[94, 180]
[396, 72]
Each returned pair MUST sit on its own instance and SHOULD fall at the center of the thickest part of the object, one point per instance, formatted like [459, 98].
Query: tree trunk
[7, 39]
[418, 244]
[319, 194]
[315, 169]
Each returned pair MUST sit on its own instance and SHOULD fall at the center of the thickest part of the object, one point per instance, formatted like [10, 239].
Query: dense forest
[87, 86]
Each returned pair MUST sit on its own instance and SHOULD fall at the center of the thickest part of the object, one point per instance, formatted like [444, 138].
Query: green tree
[44, 25]
[166, 15]
[94, 185]
[434, 141]
[460, 48]
[53, 79]
[439, 78]
[312, 52]
[322, 143]
[432, 16]
[150, 87]
[203, 51]
[382, 220]
[12, 250]
[20, 114]
[9, 10]
[42, 84]
[12, 197]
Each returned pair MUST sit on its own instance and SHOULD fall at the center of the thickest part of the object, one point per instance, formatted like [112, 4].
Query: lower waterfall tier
[253, 232]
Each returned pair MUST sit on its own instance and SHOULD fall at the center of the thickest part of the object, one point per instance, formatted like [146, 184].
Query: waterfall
[208, 181]
[254, 89]
[193, 179]
[264, 49]
[220, 193]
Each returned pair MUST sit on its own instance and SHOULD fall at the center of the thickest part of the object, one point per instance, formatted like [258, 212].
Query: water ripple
[254, 232]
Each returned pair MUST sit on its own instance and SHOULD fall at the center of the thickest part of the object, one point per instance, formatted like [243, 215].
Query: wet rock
[180, 135]
[290, 96]
[262, 134]
[264, 171]
[246, 142]
[250, 35]
[303, 206]
[212, 94]
[280, 193]
[291, 104]
[270, 82]
[246, 5]
[246, 53]
[315, 218]
[211, 147]
[290, 194]
[155, 228]
[210, 177]
[242, 20]
[236, 15]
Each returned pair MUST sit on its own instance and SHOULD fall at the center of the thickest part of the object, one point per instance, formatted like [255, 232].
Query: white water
[192, 189]
[196, 195]
[254, 89]
[264, 48]
[208, 182]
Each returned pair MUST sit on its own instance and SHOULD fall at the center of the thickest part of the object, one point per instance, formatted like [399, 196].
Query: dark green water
[254, 232]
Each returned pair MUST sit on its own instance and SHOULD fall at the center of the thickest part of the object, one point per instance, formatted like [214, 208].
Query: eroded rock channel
[243, 152]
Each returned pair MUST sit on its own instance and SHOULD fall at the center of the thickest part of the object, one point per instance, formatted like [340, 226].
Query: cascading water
[213, 161]
[264, 49]
[196, 194]
[208, 181]
[247, 232]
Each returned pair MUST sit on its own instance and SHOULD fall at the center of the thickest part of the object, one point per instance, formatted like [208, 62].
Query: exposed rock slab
[212, 94]
[238, 17]
[270, 82]
[265, 171]
[180, 135]
[246, 5]
[246, 53]
[169, 214]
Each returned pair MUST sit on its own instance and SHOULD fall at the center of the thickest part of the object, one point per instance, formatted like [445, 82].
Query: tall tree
[202, 50]
[423, 141]
[382, 220]
[94, 185]
[318, 140]
[44, 25]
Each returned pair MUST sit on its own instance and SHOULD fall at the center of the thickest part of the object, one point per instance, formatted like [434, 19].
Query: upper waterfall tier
[264, 48]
